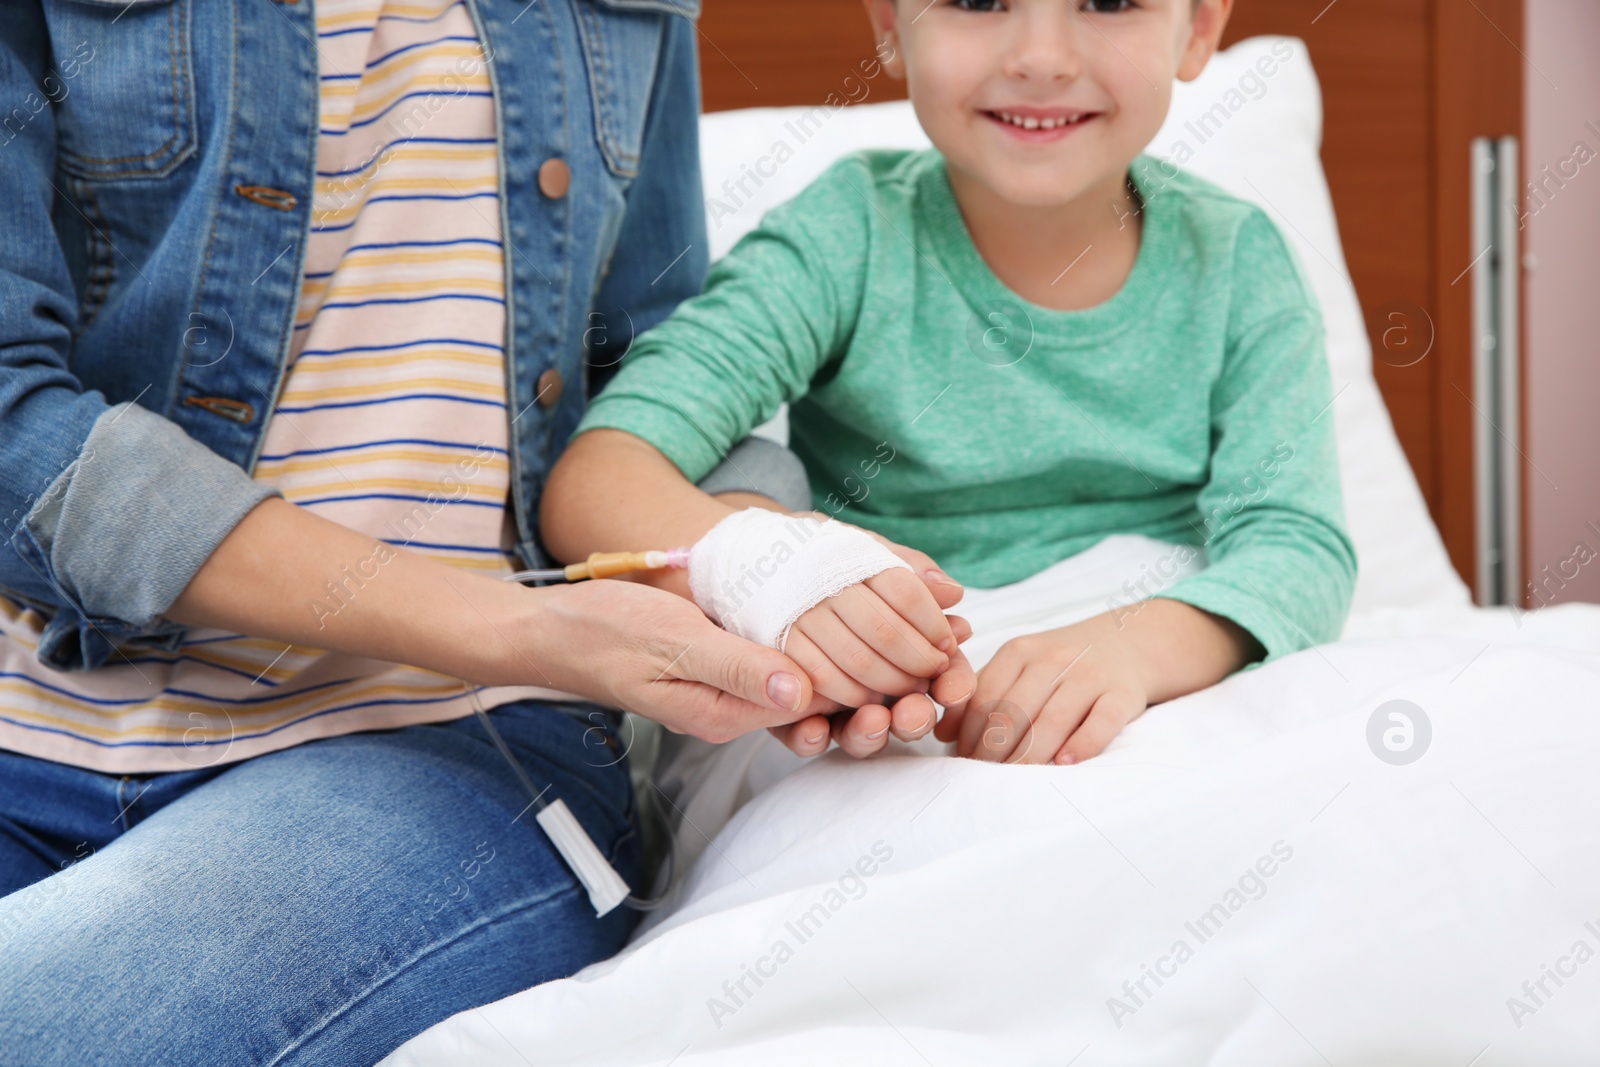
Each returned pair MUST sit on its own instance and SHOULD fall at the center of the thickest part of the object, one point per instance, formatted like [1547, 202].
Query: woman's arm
[287, 574]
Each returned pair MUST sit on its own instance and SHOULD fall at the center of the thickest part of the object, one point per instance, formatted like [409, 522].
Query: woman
[298, 302]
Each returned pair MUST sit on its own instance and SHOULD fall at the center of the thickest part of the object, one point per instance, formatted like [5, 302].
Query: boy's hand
[880, 648]
[1062, 695]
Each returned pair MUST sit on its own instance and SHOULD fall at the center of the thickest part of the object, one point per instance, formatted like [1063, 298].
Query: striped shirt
[391, 419]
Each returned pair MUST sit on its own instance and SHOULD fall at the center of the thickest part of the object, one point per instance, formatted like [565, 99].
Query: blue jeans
[318, 905]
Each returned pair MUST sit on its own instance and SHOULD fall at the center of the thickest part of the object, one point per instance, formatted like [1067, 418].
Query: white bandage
[757, 571]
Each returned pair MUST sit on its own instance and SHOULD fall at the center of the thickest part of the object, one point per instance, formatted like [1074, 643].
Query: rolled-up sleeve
[121, 532]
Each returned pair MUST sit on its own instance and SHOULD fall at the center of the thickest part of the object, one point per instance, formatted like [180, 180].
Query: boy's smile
[1038, 107]
[1039, 124]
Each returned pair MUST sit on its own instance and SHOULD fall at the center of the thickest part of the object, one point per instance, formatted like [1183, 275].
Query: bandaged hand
[849, 608]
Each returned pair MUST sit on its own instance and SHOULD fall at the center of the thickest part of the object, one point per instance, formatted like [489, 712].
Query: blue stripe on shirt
[383, 18]
[377, 444]
[402, 344]
[233, 735]
[425, 244]
[401, 496]
[380, 199]
[329, 132]
[494, 550]
[407, 300]
[391, 400]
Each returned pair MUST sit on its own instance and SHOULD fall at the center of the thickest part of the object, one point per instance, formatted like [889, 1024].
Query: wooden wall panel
[776, 53]
[1373, 60]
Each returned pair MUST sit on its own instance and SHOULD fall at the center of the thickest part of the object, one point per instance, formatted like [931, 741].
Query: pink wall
[1562, 241]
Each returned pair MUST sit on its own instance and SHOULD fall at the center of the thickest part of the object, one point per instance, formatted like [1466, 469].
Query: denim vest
[156, 170]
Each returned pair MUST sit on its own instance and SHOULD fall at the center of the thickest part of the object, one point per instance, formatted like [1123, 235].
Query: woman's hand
[619, 643]
[629, 646]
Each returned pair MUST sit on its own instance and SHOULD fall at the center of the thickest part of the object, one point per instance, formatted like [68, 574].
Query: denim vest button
[555, 178]
[550, 387]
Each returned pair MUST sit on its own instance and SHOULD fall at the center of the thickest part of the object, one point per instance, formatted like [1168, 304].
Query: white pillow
[1252, 123]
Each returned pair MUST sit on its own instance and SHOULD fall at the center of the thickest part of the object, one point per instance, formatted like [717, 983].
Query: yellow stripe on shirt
[403, 312]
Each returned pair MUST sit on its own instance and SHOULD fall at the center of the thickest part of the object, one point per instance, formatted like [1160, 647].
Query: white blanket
[1246, 876]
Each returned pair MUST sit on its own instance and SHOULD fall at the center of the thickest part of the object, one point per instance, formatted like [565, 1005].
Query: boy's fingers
[1000, 726]
[1062, 713]
[956, 686]
[1035, 685]
[947, 592]
[858, 660]
[864, 732]
[958, 681]
[887, 633]
[948, 728]
[912, 716]
[945, 589]
[1114, 710]
[909, 599]
[826, 677]
[995, 678]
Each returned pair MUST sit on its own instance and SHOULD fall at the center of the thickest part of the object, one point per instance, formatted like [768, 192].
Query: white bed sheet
[1017, 902]
[1007, 906]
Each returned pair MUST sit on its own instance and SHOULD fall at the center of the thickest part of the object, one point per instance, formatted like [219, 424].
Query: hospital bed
[1380, 851]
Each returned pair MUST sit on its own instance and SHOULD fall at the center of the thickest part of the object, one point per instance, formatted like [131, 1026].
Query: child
[997, 352]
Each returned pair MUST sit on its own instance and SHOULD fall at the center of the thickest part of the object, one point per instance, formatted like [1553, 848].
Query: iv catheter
[606, 565]
[605, 886]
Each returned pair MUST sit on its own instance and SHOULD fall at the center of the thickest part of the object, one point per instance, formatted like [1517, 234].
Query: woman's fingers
[863, 732]
[808, 737]
[722, 686]
[912, 717]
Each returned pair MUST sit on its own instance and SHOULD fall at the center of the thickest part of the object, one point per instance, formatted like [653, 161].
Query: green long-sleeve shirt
[935, 406]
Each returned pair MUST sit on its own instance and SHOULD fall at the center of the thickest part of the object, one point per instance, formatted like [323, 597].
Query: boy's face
[1093, 76]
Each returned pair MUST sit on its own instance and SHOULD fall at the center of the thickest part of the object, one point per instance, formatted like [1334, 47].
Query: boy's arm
[1279, 561]
[1280, 566]
[775, 312]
